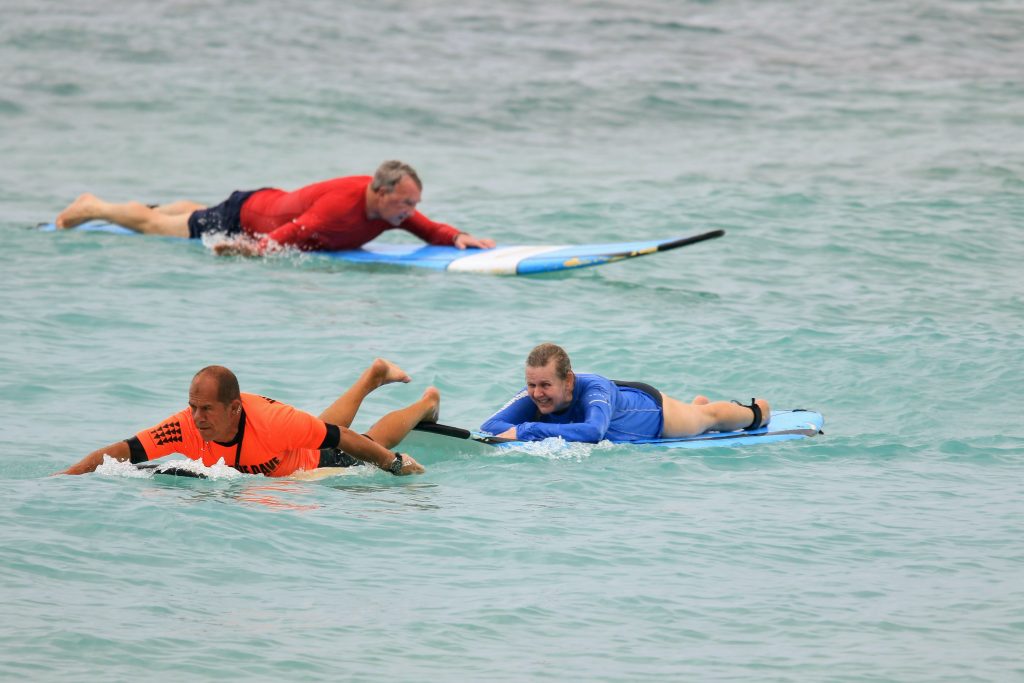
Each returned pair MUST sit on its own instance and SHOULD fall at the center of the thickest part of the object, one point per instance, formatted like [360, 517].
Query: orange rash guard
[328, 216]
[273, 439]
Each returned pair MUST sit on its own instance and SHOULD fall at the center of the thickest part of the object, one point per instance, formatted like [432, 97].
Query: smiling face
[400, 203]
[215, 421]
[547, 390]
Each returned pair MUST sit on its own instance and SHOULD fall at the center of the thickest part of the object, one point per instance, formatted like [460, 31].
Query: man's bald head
[223, 379]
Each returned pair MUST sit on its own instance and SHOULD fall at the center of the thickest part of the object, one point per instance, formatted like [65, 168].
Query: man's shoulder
[282, 425]
[172, 428]
[349, 183]
[174, 434]
[259, 399]
[256, 405]
[261, 408]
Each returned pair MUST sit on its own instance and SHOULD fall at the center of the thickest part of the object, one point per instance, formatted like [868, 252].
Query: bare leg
[687, 419]
[344, 409]
[132, 215]
[183, 207]
[392, 428]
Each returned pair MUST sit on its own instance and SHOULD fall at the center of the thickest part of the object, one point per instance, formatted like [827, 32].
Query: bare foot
[386, 372]
[78, 211]
[432, 396]
[700, 400]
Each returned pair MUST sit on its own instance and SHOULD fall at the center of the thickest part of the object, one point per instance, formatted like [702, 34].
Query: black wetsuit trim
[334, 457]
[641, 386]
[332, 438]
[138, 453]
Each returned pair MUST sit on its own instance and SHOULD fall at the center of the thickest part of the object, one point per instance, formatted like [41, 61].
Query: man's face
[397, 205]
[549, 393]
[215, 421]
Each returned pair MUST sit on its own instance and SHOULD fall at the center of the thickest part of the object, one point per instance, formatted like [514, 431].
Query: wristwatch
[396, 465]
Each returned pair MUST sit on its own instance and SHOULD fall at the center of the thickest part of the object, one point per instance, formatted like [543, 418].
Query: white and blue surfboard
[502, 260]
[784, 425]
[430, 437]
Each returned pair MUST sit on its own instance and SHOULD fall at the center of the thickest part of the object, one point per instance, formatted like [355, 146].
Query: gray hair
[543, 354]
[390, 173]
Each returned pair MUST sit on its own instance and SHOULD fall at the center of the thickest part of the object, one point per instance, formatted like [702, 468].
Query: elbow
[495, 427]
[589, 434]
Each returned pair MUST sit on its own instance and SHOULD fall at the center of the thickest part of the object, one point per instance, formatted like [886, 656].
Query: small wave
[214, 239]
[112, 467]
[557, 448]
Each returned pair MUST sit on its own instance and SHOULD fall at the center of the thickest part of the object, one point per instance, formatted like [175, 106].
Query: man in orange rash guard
[343, 213]
[258, 435]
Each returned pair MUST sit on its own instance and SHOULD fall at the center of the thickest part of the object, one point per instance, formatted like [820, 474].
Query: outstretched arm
[89, 463]
[242, 245]
[518, 410]
[433, 232]
[516, 418]
[464, 240]
[367, 450]
[590, 431]
[293, 233]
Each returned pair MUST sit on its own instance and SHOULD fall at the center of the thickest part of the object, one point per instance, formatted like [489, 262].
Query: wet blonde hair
[543, 354]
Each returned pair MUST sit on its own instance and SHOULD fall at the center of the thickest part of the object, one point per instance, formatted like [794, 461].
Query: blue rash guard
[600, 409]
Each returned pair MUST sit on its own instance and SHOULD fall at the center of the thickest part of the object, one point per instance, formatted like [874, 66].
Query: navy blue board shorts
[223, 219]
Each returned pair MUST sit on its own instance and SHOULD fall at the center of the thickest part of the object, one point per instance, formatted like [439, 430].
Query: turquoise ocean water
[867, 163]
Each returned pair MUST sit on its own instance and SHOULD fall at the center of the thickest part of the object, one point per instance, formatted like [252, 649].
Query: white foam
[557, 448]
[112, 467]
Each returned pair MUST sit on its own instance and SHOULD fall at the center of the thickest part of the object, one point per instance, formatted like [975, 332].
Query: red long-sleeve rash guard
[327, 216]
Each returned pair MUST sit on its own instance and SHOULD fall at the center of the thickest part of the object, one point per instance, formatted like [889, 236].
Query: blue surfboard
[784, 425]
[502, 260]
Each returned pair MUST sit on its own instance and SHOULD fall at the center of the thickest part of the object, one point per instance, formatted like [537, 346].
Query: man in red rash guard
[343, 213]
[258, 435]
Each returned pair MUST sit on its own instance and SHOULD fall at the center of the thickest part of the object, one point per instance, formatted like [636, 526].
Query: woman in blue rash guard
[587, 407]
